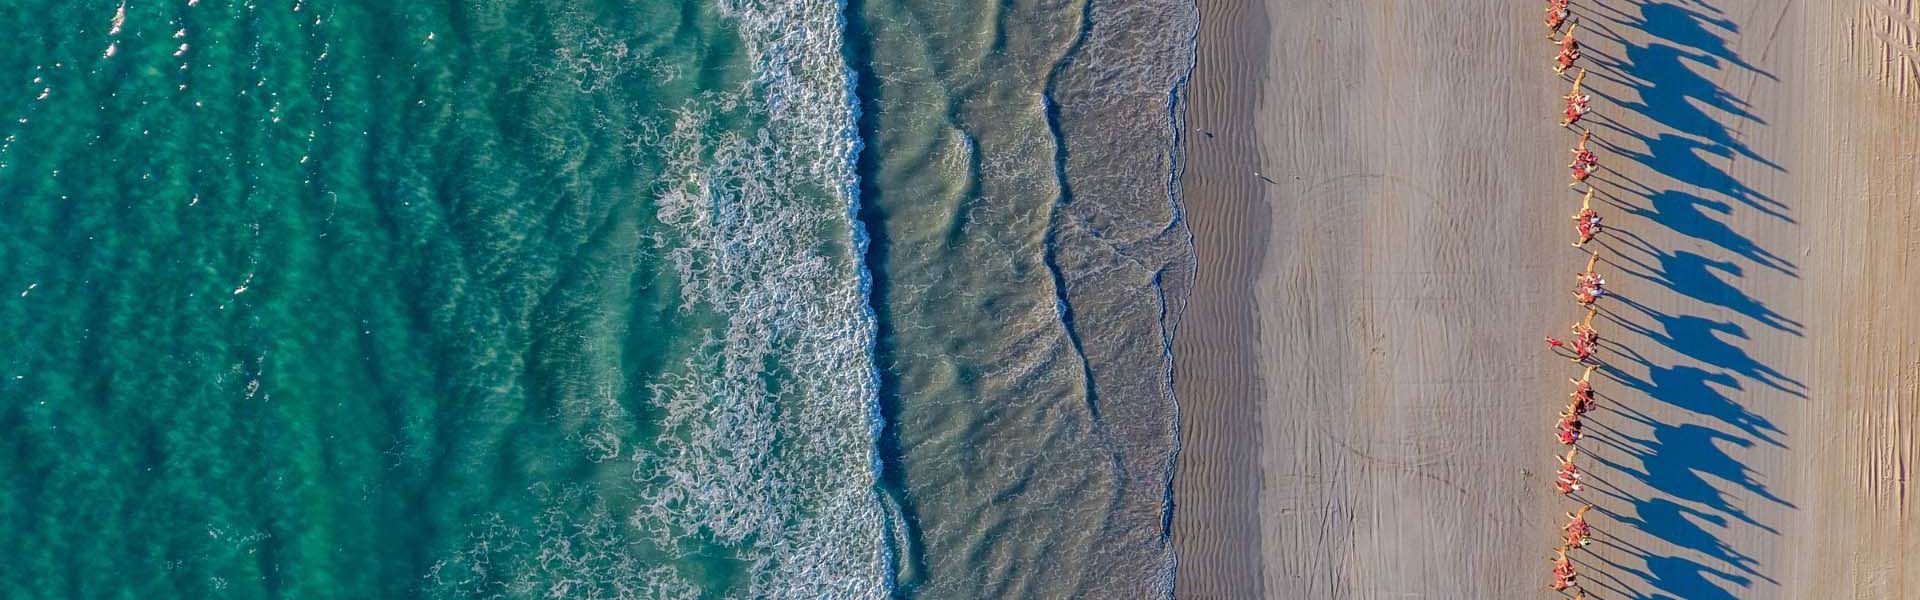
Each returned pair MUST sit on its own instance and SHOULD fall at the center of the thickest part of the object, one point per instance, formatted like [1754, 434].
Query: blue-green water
[577, 299]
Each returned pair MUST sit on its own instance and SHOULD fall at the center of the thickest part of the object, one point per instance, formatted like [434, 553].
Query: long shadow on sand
[1673, 95]
[1699, 490]
[1684, 462]
[1696, 277]
[1688, 34]
[1683, 213]
[1698, 390]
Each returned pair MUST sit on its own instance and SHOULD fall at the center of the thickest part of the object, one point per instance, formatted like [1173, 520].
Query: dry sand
[1366, 401]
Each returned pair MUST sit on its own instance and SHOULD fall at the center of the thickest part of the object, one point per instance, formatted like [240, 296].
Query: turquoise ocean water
[588, 299]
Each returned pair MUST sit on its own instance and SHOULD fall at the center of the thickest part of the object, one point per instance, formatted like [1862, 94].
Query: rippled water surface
[573, 299]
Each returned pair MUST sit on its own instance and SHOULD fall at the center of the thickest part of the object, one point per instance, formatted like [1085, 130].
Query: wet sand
[1382, 236]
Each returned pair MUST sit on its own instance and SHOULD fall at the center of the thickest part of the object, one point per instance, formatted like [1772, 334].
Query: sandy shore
[1381, 220]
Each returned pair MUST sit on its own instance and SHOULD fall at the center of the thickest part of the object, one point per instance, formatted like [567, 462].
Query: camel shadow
[1678, 459]
[1682, 527]
[1695, 489]
[1699, 390]
[1670, 92]
[1694, 276]
[1683, 463]
[1683, 214]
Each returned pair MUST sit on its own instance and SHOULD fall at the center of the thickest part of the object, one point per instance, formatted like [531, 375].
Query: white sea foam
[766, 427]
[782, 471]
[574, 549]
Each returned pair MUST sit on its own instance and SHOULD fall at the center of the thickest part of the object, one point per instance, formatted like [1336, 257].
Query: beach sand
[1381, 224]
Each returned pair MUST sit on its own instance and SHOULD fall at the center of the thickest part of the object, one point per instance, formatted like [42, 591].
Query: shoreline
[1215, 523]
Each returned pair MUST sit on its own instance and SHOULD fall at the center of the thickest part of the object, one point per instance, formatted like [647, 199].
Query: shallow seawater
[1031, 264]
[575, 299]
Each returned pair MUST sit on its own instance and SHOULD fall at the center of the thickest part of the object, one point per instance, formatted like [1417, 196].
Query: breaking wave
[764, 423]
